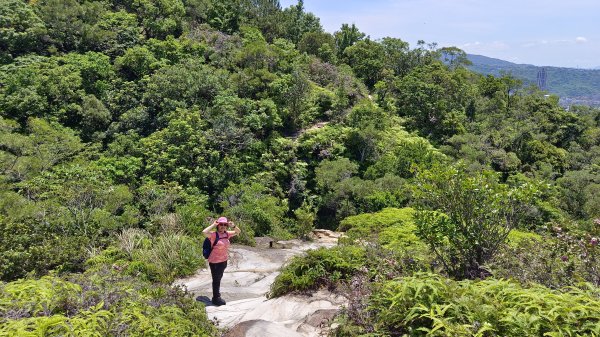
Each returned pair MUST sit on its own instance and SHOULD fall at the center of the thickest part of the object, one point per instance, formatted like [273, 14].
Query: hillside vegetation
[125, 126]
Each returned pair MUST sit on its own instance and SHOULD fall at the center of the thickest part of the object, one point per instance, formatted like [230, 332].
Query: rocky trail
[247, 279]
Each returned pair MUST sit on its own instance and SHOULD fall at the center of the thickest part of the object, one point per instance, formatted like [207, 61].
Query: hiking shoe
[218, 301]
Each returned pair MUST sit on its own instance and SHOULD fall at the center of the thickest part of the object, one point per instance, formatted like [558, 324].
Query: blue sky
[544, 33]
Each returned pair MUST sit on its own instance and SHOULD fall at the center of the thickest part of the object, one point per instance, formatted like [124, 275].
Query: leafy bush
[344, 194]
[515, 237]
[556, 261]
[255, 206]
[375, 222]
[101, 303]
[403, 239]
[430, 305]
[56, 216]
[465, 218]
[305, 221]
[36, 297]
[321, 267]
[393, 228]
[28, 248]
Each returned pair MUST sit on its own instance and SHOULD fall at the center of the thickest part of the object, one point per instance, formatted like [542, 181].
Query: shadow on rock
[205, 300]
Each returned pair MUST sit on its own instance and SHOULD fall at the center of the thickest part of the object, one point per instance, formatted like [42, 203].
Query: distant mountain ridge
[573, 86]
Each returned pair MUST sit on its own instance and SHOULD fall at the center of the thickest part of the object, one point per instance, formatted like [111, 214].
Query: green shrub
[515, 237]
[108, 256]
[88, 323]
[44, 296]
[392, 228]
[255, 204]
[465, 218]
[555, 261]
[193, 215]
[430, 305]
[402, 238]
[144, 270]
[305, 221]
[363, 225]
[321, 267]
[29, 248]
[99, 303]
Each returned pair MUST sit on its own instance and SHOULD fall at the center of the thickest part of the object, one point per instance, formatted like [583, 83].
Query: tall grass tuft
[173, 255]
[132, 239]
[160, 259]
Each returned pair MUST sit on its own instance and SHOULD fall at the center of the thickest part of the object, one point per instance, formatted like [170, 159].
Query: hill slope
[574, 86]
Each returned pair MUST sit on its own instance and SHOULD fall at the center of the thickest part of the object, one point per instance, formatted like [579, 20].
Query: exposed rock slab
[248, 277]
[260, 328]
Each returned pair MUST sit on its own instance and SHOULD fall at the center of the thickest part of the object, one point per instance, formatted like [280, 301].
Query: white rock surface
[247, 279]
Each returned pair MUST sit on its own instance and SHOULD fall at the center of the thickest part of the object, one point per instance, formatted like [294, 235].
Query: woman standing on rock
[217, 260]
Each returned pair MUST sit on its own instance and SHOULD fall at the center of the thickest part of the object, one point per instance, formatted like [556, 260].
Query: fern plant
[99, 303]
[430, 305]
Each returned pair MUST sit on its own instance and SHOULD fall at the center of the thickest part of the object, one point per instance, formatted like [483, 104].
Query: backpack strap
[216, 239]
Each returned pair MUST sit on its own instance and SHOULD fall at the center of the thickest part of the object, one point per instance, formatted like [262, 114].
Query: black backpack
[207, 247]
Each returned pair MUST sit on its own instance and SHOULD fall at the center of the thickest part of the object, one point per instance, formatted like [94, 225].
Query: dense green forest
[126, 124]
[573, 86]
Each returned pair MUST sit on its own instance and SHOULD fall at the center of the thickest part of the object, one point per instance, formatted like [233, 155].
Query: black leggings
[217, 270]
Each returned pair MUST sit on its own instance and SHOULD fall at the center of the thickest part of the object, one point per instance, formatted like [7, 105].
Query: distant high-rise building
[541, 79]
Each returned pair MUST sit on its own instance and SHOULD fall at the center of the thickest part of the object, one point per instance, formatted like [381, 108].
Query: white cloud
[471, 44]
[540, 43]
[480, 47]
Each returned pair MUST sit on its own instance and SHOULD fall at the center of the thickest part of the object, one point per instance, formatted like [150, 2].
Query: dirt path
[248, 277]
